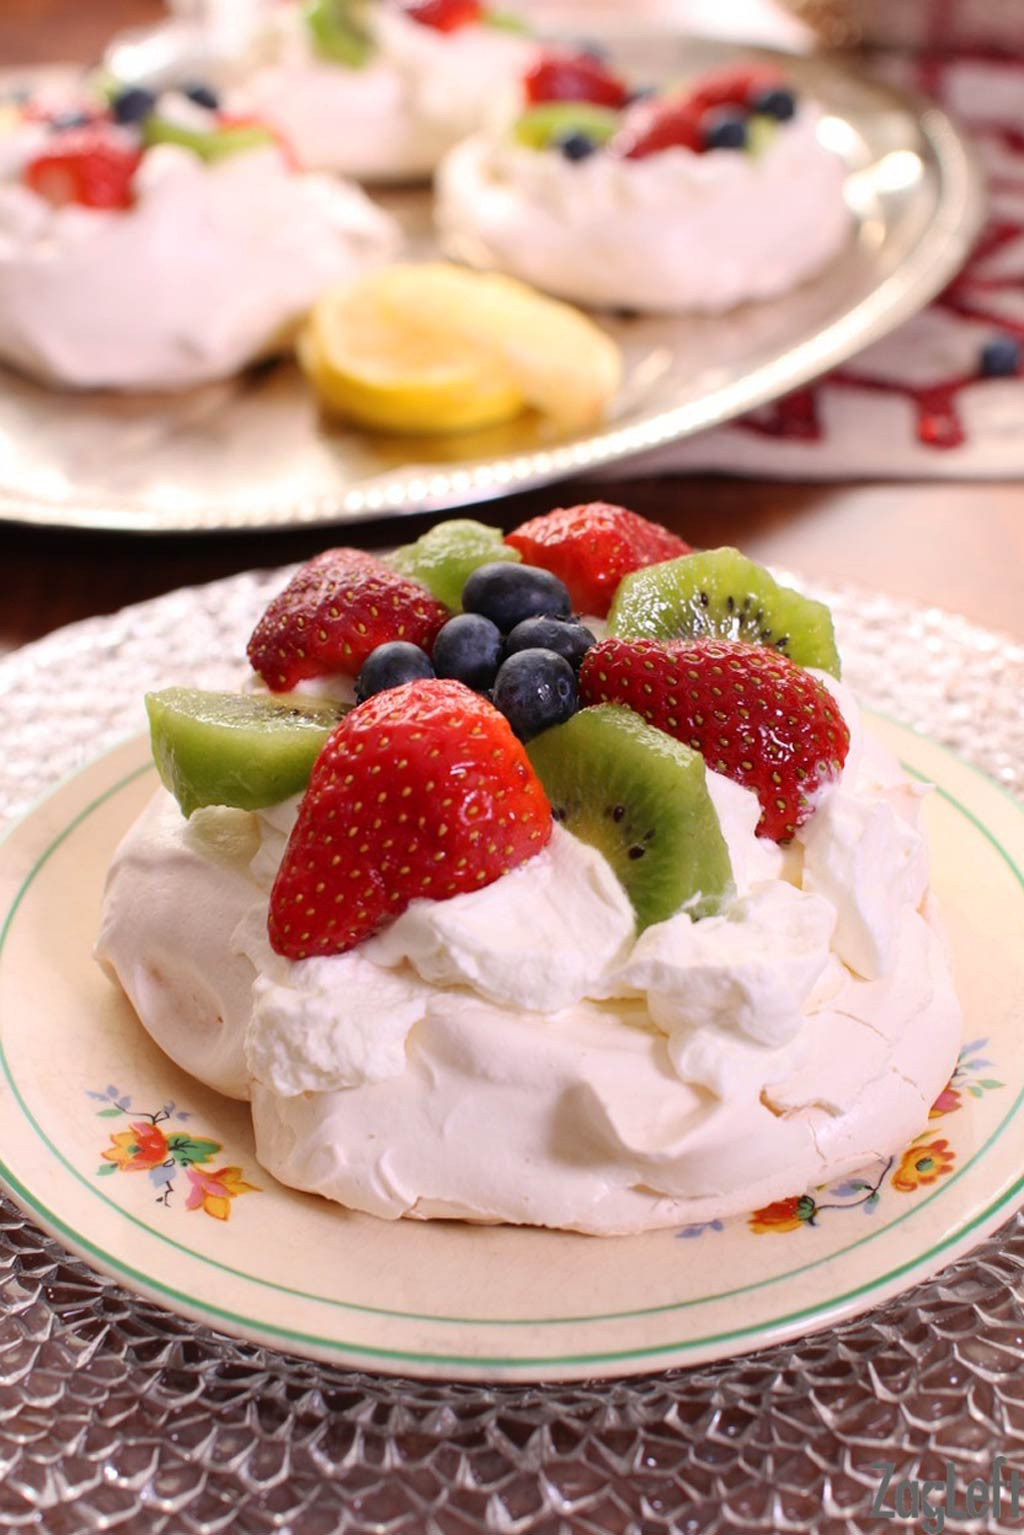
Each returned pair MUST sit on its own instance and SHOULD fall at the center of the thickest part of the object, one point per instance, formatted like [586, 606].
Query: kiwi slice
[239, 749]
[642, 799]
[539, 127]
[723, 594]
[210, 146]
[446, 555]
[339, 31]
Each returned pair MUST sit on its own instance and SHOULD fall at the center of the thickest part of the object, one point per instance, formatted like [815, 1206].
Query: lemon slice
[395, 376]
[441, 348]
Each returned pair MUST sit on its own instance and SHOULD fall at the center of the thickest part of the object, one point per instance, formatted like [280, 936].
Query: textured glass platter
[113, 1411]
[254, 452]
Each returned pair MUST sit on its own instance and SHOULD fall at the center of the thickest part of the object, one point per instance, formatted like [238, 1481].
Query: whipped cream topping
[211, 269]
[517, 1054]
[419, 92]
[673, 231]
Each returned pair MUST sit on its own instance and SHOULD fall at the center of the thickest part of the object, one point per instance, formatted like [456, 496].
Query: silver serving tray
[254, 451]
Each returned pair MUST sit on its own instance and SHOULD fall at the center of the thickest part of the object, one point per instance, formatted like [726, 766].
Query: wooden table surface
[955, 545]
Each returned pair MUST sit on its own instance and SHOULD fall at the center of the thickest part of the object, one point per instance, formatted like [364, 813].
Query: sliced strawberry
[573, 77]
[751, 713]
[86, 166]
[421, 791]
[443, 15]
[333, 612]
[652, 126]
[592, 547]
[731, 87]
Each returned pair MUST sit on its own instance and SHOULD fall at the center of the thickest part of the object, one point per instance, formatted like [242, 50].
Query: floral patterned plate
[153, 1178]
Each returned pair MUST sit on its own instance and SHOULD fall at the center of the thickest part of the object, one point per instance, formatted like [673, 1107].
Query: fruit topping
[733, 87]
[555, 123]
[573, 77]
[775, 101]
[235, 748]
[469, 649]
[67, 120]
[334, 611]
[446, 555]
[534, 690]
[211, 145]
[132, 104]
[421, 791]
[723, 128]
[654, 125]
[592, 547]
[389, 666]
[443, 15]
[751, 713]
[1000, 358]
[575, 146]
[642, 800]
[86, 166]
[506, 594]
[565, 636]
[719, 592]
[339, 31]
[721, 112]
[202, 94]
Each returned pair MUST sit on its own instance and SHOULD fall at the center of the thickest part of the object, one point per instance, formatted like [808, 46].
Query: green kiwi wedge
[722, 594]
[446, 556]
[210, 146]
[238, 749]
[542, 126]
[641, 798]
[339, 31]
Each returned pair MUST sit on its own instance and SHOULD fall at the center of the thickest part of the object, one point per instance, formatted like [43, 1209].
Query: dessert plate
[152, 1178]
[253, 452]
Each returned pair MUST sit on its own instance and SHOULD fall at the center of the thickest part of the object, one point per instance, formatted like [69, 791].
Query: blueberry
[566, 637]
[774, 101]
[66, 120]
[203, 96]
[389, 666]
[468, 648]
[1000, 358]
[132, 104]
[723, 128]
[576, 145]
[506, 594]
[535, 689]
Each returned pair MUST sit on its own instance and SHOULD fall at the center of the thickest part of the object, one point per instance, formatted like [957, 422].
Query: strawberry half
[652, 126]
[333, 612]
[731, 87]
[573, 77]
[751, 713]
[421, 791]
[443, 15]
[85, 166]
[592, 547]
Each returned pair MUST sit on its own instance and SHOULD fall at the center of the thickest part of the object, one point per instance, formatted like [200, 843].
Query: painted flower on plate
[922, 1163]
[138, 1149]
[784, 1215]
[213, 1192]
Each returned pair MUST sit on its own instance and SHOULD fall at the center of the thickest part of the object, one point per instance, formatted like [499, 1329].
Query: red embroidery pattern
[977, 296]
